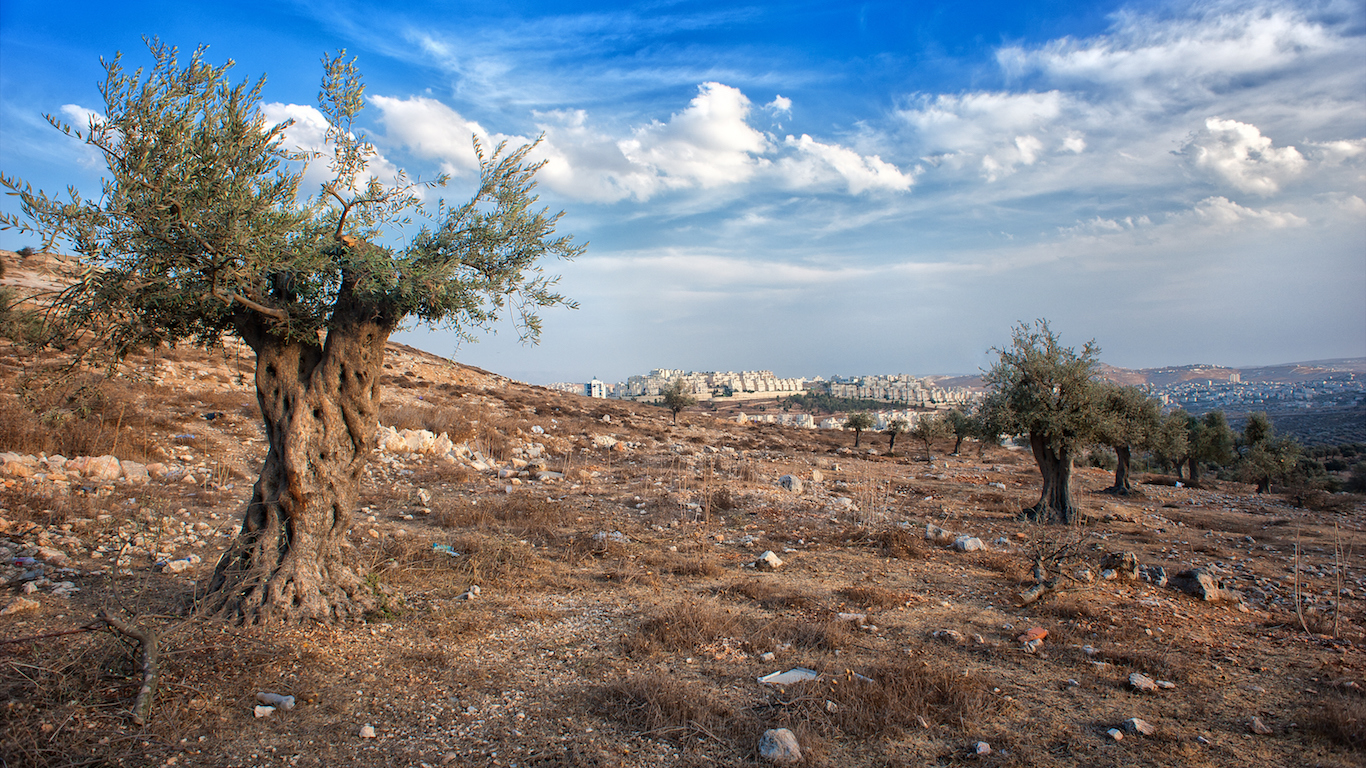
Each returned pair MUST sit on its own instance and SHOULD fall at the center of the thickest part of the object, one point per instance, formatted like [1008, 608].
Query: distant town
[1327, 385]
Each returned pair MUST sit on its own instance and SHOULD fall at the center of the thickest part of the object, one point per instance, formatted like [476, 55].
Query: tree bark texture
[1194, 474]
[320, 405]
[1055, 500]
[1122, 485]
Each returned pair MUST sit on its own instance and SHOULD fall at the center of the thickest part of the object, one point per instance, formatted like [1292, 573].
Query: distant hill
[1285, 373]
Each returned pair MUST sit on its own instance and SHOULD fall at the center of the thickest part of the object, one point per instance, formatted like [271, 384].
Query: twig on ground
[147, 650]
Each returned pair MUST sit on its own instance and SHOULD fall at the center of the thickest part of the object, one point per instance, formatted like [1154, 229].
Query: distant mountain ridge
[1285, 373]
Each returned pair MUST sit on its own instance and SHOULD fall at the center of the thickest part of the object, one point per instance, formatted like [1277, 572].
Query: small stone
[817, 476]
[768, 561]
[1124, 564]
[1200, 583]
[779, 745]
[1138, 726]
[936, 534]
[1166, 685]
[791, 483]
[981, 749]
[367, 731]
[948, 635]
[1258, 727]
[969, 544]
[20, 605]
[1033, 646]
[1141, 682]
[1035, 633]
[264, 711]
[767, 656]
[1116, 734]
[1109, 574]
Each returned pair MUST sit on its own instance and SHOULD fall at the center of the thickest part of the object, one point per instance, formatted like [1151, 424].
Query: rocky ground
[575, 582]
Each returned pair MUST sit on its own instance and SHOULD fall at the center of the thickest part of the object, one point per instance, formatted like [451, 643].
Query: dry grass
[661, 706]
[873, 597]
[686, 626]
[766, 593]
[900, 543]
[1340, 719]
[889, 699]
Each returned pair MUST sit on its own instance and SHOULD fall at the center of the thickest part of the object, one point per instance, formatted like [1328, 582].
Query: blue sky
[833, 188]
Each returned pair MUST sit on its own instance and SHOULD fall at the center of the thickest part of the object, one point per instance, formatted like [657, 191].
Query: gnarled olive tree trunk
[1122, 485]
[1055, 501]
[320, 404]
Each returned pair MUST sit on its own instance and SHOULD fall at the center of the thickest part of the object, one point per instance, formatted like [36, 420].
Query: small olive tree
[897, 427]
[1047, 391]
[859, 422]
[200, 232]
[929, 428]
[1129, 418]
[677, 397]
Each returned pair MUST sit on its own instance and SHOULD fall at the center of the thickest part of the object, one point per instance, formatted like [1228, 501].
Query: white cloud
[1221, 211]
[308, 134]
[707, 144]
[1337, 152]
[80, 117]
[819, 164]
[433, 130]
[1240, 155]
[1074, 143]
[1213, 44]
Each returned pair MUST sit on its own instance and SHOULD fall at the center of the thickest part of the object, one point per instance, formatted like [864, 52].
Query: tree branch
[147, 649]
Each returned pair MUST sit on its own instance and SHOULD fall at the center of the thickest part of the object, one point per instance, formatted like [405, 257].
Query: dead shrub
[873, 597]
[811, 635]
[683, 627]
[888, 699]
[661, 706]
[1340, 719]
[900, 543]
[698, 565]
[1069, 608]
[765, 593]
[1009, 566]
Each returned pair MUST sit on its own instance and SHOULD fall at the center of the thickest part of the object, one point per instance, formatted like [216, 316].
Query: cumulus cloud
[432, 130]
[80, 117]
[707, 144]
[1221, 211]
[998, 131]
[308, 134]
[1239, 155]
[820, 164]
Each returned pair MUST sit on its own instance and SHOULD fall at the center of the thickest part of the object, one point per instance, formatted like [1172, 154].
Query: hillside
[620, 618]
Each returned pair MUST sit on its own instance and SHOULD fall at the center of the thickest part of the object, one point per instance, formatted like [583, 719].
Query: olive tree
[1129, 418]
[929, 428]
[897, 427]
[677, 397]
[859, 422]
[1209, 440]
[1264, 457]
[200, 232]
[1047, 391]
[961, 424]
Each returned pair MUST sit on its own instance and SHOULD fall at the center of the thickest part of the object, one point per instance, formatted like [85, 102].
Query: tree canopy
[201, 225]
[859, 422]
[677, 397]
[1129, 418]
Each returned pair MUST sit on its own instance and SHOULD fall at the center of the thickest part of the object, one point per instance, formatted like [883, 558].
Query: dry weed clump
[686, 626]
[900, 543]
[874, 597]
[767, 594]
[458, 422]
[1340, 719]
[660, 706]
[888, 699]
